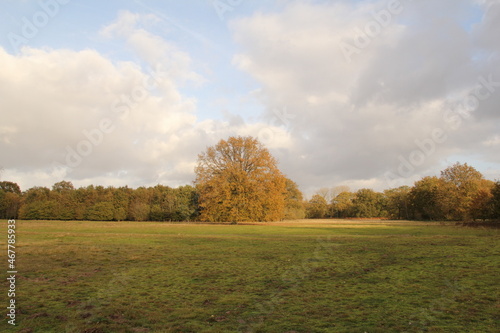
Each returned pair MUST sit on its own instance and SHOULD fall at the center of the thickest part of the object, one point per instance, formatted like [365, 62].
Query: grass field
[301, 276]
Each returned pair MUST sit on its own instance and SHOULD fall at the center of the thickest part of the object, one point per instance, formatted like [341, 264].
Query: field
[297, 276]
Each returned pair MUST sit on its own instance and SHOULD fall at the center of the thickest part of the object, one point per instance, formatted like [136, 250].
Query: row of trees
[460, 193]
[238, 180]
[96, 203]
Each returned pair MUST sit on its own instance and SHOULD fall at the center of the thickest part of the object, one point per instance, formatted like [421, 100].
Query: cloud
[329, 119]
[356, 117]
[70, 95]
[79, 116]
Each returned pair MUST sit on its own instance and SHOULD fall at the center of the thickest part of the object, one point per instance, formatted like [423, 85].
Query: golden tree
[238, 180]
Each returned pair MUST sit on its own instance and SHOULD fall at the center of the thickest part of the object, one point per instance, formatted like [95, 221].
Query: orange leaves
[238, 180]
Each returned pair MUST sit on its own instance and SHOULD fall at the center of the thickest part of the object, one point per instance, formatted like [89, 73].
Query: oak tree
[238, 180]
[465, 183]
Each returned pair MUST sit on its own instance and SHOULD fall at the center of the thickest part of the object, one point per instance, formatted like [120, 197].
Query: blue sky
[335, 102]
[197, 29]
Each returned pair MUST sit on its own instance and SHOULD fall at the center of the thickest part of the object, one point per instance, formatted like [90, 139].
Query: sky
[365, 94]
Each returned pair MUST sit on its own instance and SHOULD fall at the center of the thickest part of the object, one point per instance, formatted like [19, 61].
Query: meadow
[293, 276]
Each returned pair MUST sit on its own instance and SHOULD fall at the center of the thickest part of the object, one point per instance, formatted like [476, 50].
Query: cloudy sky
[361, 93]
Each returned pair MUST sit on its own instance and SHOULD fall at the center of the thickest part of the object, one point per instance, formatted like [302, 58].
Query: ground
[294, 276]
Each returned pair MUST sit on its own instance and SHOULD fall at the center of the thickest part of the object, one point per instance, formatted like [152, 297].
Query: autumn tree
[481, 207]
[432, 198]
[495, 201]
[121, 198]
[317, 207]
[140, 204]
[238, 180]
[465, 183]
[398, 202]
[294, 206]
[368, 203]
[37, 204]
[342, 205]
[10, 200]
[62, 195]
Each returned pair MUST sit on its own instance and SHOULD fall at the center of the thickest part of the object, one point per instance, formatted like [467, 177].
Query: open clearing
[296, 276]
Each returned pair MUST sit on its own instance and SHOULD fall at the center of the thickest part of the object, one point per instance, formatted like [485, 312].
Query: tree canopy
[238, 180]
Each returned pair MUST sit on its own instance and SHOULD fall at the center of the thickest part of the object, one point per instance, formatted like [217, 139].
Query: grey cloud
[367, 114]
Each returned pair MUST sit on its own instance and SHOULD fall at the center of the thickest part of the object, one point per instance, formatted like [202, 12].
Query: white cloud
[328, 121]
[79, 116]
[355, 119]
[151, 48]
[492, 141]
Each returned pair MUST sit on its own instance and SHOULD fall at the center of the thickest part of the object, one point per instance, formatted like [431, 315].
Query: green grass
[304, 276]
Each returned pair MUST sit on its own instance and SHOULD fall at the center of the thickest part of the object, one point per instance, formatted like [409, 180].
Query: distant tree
[63, 196]
[140, 204]
[37, 204]
[9, 205]
[10, 187]
[342, 205]
[466, 182]
[480, 204]
[326, 193]
[398, 202]
[329, 193]
[101, 211]
[495, 201]
[368, 203]
[317, 207]
[185, 203]
[63, 186]
[336, 190]
[163, 203]
[238, 180]
[10, 200]
[294, 206]
[432, 198]
[121, 198]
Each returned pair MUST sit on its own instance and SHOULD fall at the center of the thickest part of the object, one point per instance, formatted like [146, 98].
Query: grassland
[302, 276]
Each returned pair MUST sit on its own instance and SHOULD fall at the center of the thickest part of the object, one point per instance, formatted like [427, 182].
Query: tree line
[238, 180]
[97, 203]
[461, 193]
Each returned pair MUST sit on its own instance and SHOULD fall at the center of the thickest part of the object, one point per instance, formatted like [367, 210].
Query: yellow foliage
[238, 180]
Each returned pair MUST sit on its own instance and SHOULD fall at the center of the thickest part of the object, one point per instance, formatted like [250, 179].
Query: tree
[480, 205]
[120, 201]
[397, 202]
[63, 186]
[432, 199]
[10, 200]
[101, 211]
[294, 206]
[342, 205]
[317, 207]
[238, 180]
[465, 181]
[10, 187]
[163, 203]
[9, 205]
[368, 203]
[185, 203]
[37, 204]
[140, 204]
[495, 201]
[63, 195]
